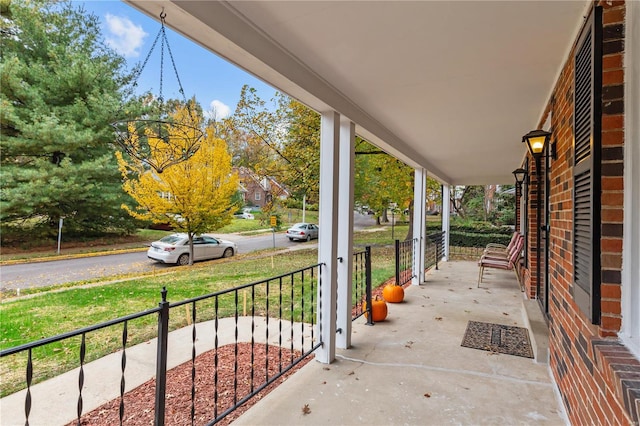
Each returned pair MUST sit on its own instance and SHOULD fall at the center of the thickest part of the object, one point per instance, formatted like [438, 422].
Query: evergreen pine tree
[59, 91]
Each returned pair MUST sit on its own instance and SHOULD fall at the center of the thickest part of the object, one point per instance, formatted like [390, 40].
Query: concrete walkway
[411, 369]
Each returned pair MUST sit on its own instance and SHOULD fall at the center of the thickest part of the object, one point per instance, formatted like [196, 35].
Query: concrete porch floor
[411, 369]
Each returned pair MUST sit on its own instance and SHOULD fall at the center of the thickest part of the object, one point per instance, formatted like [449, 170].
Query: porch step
[538, 330]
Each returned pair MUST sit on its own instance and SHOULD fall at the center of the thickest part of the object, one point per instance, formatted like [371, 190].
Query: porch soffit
[450, 86]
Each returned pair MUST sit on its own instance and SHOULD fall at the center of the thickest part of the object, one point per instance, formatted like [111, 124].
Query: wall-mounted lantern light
[536, 142]
[520, 175]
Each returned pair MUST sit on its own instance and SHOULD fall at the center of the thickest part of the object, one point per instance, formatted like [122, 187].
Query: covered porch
[412, 369]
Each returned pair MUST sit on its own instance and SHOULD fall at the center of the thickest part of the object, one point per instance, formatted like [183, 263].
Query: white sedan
[174, 248]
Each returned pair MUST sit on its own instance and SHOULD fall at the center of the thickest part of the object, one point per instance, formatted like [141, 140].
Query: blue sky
[215, 83]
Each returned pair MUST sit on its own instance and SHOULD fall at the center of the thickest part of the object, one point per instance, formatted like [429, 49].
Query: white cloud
[218, 110]
[124, 36]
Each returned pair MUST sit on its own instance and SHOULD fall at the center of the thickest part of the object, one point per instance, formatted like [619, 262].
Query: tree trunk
[410, 231]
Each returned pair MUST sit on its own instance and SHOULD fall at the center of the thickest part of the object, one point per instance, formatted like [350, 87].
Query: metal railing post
[161, 359]
[436, 246]
[397, 262]
[367, 274]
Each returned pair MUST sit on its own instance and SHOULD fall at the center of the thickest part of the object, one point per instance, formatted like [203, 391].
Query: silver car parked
[303, 232]
[174, 248]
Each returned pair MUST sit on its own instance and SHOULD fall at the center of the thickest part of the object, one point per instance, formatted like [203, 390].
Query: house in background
[259, 190]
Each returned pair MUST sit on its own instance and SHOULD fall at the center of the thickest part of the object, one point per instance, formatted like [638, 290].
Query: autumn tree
[59, 90]
[194, 196]
[290, 131]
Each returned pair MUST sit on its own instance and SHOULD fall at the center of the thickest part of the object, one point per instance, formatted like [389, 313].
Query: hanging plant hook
[161, 136]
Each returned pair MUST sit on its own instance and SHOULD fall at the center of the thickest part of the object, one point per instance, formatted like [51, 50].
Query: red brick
[612, 184]
[611, 261]
[610, 62]
[612, 215]
[612, 77]
[612, 199]
[612, 138]
[612, 122]
[610, 291]
[611, 245]
[609, 4]
[611, 16]
[610, 307]
[610, 323]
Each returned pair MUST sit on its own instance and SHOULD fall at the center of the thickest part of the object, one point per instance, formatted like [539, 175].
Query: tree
[59, 90]
[194, 196]
[291, 131]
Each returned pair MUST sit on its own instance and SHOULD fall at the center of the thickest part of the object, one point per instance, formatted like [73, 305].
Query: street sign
[274, 221]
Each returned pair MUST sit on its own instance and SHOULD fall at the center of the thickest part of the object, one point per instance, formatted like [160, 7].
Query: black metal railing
[361, 285]
[272, 322]
[434, 249]
[405, 254]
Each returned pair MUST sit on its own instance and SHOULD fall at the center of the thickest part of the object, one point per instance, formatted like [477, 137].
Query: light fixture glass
[519, 175]
[536, 141]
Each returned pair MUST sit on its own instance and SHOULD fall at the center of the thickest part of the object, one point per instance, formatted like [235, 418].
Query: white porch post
[446, 217]
[345, 232]
[419, 223]
[328, 238]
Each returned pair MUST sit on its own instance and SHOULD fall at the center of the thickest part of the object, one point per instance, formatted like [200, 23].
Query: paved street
[55, 272]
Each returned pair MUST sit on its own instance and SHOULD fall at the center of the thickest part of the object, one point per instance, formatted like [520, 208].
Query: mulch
[139, 402]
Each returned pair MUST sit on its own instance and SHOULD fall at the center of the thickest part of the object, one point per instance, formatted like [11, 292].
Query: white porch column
[419, 223]
[446, 218]
[328, 238]
[345, 232]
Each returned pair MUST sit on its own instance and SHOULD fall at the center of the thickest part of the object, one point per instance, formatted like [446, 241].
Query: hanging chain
[162, 36]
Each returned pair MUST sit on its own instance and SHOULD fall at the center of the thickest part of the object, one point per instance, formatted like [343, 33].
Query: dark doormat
[504, 339]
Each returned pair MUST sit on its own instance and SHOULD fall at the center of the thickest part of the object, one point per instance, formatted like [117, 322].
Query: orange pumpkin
[393, 293]
[378, 309]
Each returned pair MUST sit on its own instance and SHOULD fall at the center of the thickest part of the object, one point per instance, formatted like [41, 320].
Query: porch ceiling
[450, 86]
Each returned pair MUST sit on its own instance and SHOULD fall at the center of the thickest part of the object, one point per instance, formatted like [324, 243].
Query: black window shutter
[586, 168]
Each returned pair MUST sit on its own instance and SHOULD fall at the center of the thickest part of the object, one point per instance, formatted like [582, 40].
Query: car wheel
[290, 239]
[309, 237]
[228, 252]
[183, 259]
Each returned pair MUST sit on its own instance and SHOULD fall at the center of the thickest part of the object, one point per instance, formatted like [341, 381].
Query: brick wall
[596, 375]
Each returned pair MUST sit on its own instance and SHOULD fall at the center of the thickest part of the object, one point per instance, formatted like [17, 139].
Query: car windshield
[300, 225]
[171, 239]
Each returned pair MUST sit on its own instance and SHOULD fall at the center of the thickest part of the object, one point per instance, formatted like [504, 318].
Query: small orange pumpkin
[378, 309]
[393, 293]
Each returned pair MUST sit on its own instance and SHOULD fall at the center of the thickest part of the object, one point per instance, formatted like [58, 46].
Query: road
[42, 274]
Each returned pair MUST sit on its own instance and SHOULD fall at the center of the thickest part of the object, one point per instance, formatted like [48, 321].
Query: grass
[61, 310]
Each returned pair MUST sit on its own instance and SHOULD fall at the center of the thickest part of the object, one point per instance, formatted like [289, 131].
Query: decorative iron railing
[271, 324]
[405, 254]
[434, 249]
[361, 284]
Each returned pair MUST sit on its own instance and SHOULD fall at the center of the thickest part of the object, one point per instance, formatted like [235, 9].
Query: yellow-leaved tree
[194, 195]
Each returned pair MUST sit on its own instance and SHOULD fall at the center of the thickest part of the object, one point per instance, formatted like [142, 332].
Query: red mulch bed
[139, 402]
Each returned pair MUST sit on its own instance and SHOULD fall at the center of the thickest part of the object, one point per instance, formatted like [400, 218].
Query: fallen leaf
[306, 410]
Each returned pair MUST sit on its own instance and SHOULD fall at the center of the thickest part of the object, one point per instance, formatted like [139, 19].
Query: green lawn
[66, 309]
